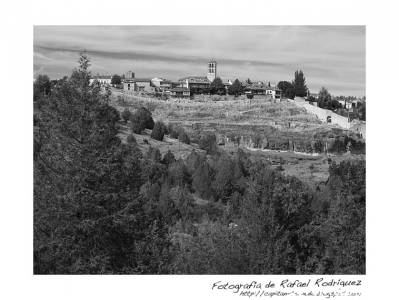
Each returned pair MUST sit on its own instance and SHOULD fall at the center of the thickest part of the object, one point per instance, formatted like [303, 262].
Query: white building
[101, 79]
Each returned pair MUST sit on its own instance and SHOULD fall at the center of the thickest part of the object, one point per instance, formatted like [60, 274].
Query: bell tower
[211, 70]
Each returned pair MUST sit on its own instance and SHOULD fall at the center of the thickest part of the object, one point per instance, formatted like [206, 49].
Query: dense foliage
[103, 206]
[126, 114]
[299, 83]
[116, 79]
[141, 119]
[158, 131]
[325, 100]
[236, 88]
[287, 89]
[217, 87]
[41, 87]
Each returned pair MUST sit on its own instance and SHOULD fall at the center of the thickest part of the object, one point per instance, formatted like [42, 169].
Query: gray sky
[330, 56]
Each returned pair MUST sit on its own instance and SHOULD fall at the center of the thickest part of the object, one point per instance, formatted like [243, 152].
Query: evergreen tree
[217, 86]
[158, 131]
[87, 214]
[141, 120]
[116, 79]
[299, 84]
[126, 114]
[287, 89]
[236, 88]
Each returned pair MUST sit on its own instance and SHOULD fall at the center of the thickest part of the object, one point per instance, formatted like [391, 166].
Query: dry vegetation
[228, 110]
[239, 116]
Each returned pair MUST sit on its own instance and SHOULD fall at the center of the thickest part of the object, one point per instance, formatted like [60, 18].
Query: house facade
[161, 85]
[138, 85]
[196, 84]
[260, 88]
[101, 79]
[180, 92]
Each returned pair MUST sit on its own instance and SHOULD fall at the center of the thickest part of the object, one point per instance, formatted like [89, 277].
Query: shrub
[173, 133]
[183, 137]
[141, 120]
[168, 158]
[126, 115]
[158, 131]
[208, 142]
[131, 139]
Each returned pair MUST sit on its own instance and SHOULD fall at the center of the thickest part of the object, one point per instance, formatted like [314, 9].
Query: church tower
[211, 70]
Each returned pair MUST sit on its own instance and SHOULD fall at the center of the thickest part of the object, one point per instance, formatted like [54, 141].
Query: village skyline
[330, 56]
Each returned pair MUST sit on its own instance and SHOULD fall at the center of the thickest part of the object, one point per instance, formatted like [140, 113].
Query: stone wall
[323, 114]
[338, 144]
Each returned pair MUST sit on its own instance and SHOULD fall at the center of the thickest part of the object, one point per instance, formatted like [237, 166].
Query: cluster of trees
[103, 207]
[217, 87]
[178, 132]
[325, 100]
[116, 80]
[88, 213]
[236, 88]
[295, 88]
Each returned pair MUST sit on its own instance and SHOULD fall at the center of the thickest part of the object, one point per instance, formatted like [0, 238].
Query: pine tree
[300, 84]
[235, 88]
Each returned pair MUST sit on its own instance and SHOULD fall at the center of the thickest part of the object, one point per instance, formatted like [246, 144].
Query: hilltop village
[347, 112]
[186, 86]
[199, 176]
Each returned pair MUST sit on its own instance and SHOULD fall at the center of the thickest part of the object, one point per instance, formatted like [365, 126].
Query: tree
[141, 119]
[208, 142]
[324, 96]
[325, 100]
[202, 180]
[126, 114]
[158, 131]
[299, 84]
[131, 139]
[116, 80]
[217, 86]
[41, 86]
[172, 131]
[227, 173]
[88, 216]
[248, 81]
[168, 158]
[183, 136]
[236, 88]
[362, 111]
[287, 89]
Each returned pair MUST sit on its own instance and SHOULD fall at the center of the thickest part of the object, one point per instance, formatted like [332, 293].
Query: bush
[208, 142]
[183, 137]
[173, 133]
[141, 120]
[159, 131]
[131, 139]
[168, 158]
[126, 114]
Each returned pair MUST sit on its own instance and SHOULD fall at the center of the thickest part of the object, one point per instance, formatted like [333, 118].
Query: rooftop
[261, 86]
[180, 89]
[138, 80]
[195, 79]
[101, 77]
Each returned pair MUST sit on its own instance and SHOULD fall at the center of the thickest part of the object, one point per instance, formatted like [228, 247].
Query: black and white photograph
[199, 150]
[210, 150]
